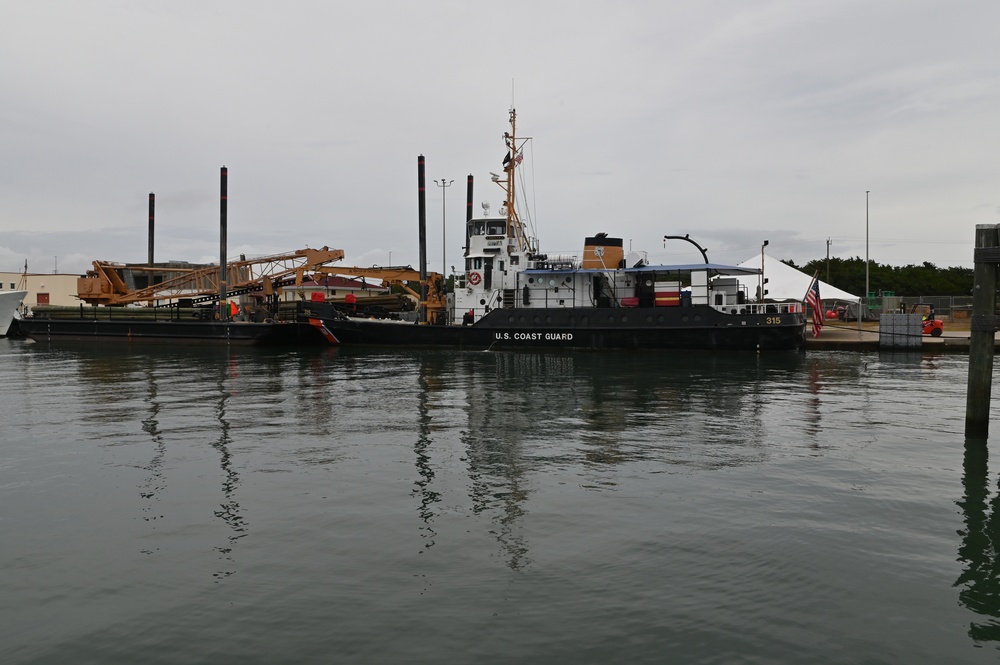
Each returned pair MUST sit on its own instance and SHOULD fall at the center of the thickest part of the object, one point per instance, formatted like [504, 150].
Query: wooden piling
[983, 331]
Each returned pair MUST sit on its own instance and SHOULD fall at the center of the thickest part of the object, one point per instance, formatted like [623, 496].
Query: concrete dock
[850, 338]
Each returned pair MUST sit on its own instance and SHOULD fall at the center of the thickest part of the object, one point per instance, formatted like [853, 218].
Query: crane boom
[106, 283]
[396, 276]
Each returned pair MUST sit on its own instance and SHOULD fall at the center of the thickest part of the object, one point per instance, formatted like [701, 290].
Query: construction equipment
[117, 284]
[398, 276]
[931, 326]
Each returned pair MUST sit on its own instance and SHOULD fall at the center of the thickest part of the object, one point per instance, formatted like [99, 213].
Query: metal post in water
[223, 194]
[422, 213]
[983, 331]
[152, 208]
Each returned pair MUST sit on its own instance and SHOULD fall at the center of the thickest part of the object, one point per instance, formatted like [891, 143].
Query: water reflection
[512, 419]
[428, 382]
[155, 482]
[174, 388]
[528, 414]
[500, 407]
[230, 511]
[980, 581]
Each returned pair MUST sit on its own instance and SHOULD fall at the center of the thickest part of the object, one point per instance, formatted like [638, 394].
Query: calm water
[241, 506]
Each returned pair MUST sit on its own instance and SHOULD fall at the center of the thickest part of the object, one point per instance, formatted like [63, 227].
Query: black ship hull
[594, 329]
[172, 331]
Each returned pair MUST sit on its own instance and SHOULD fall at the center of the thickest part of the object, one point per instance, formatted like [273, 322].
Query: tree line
[911, 280]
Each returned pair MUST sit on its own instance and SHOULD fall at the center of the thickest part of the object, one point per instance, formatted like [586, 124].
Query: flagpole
[815, 275]
[816, 302]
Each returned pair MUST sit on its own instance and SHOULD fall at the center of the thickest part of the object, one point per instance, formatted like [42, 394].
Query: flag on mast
[814, 301]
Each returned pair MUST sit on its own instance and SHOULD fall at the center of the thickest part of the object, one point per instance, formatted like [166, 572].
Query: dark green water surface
[209, 505]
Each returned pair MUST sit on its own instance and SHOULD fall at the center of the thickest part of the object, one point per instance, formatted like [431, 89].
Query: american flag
[813, 300]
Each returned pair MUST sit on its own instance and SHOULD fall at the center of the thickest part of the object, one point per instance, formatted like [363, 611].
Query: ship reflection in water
[316, 502]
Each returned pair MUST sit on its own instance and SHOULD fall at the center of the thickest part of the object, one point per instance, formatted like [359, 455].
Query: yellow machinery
[398, 276]
[106, 283]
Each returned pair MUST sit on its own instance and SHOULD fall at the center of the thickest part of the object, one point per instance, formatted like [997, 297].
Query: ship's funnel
[602, 252]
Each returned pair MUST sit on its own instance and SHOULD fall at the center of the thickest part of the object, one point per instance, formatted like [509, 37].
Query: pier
[851, 338]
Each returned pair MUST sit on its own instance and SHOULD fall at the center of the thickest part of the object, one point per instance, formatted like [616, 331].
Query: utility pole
[867, 289]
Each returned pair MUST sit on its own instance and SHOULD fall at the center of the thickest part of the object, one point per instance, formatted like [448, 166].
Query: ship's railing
[792, 307]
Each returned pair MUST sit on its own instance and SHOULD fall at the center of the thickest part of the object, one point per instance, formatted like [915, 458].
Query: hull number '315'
[773, 320]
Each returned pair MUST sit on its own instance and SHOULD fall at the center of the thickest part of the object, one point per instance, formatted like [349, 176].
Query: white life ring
[475, 278]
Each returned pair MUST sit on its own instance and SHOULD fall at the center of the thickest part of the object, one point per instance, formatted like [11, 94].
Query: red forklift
[931, 326]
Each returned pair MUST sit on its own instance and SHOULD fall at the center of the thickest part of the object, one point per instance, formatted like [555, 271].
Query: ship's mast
[514, 227]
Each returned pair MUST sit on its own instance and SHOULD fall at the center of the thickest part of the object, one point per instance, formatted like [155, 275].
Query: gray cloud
[732, 121]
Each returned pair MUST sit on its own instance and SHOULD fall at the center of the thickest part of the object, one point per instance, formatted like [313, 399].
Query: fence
[955, 307]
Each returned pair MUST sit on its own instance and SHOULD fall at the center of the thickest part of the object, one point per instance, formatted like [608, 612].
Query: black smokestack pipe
[468, 213]
[152, 209]
[223, 195]
[468, 200]
[422, 211]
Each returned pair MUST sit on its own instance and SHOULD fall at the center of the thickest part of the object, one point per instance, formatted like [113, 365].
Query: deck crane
[397, 276]
[107, 283]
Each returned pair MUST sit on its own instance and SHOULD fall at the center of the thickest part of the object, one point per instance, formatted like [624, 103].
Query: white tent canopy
[784, 281]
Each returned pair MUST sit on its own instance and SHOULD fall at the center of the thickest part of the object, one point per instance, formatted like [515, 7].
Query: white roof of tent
[784, 281]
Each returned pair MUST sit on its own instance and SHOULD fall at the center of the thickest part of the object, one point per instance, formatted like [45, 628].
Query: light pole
[762, 280]
[444, 261]
[827, 260]
[867, 291]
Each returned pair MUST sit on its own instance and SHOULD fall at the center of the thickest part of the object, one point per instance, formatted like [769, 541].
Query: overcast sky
[736, 121]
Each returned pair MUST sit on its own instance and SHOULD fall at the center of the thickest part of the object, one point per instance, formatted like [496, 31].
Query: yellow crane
[397, 276]
[106, 283]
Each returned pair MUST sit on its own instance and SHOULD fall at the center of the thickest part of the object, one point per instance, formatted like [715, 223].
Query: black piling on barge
[468, 200]
[223, 196]
[152, 209]
[422, 212]
[468, 213]
[983, 331]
